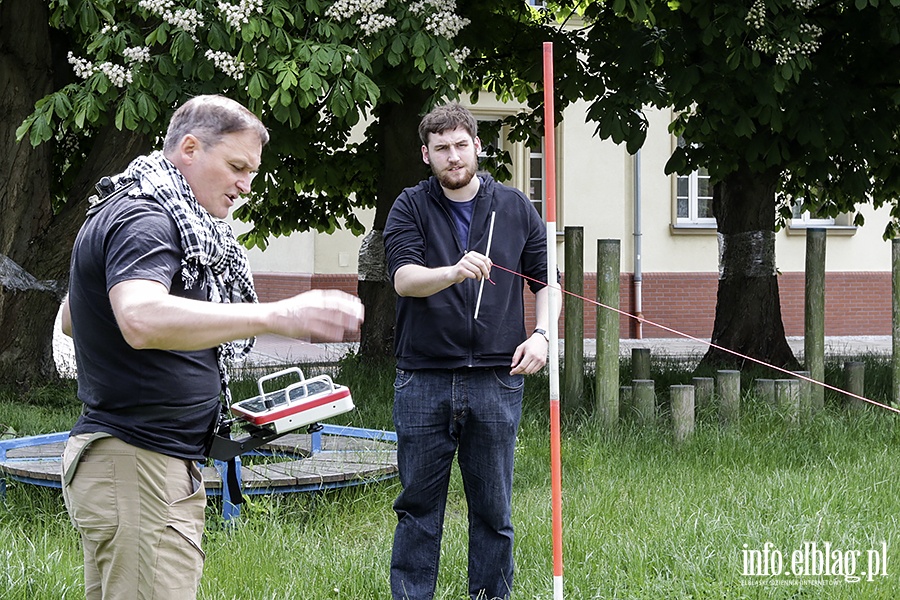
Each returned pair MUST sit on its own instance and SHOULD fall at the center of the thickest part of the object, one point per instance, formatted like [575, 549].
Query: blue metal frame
[229, 510]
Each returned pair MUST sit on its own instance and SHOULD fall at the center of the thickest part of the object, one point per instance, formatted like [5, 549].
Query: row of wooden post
[792, 397]
[607, 326]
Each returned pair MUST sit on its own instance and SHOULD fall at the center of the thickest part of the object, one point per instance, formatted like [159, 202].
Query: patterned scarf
[212, 256]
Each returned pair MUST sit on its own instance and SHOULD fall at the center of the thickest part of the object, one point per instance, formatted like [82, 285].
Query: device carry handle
[275, 375]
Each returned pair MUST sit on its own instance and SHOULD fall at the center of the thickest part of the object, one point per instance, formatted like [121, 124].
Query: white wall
[596, 191]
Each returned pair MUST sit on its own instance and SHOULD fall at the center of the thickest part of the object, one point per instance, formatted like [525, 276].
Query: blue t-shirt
[461, 213]
[159, 400]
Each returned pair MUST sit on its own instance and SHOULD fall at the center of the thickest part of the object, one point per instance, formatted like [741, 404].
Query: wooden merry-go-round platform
[330, 458]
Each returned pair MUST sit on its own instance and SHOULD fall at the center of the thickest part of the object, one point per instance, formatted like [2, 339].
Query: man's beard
[455, 180]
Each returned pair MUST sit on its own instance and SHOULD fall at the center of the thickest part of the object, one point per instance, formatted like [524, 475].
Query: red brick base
[855, 303]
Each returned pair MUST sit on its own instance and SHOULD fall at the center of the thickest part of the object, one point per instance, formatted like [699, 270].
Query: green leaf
[786, 71]
[158, 35]
[183, 47]
[143, 105]
[256, 85]
[22, 129]
[277, 17]
[40, 131]
[367, 90]
[420, 44]
[658, 55]
[337, 62]
[61, 105]
[87, 18]
[733, 61]
[309, 80]
[125, 115]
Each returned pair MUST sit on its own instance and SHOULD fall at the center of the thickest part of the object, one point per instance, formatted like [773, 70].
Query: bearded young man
[459, 383]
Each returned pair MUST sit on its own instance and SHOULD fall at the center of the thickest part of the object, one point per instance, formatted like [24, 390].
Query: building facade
[613, 195]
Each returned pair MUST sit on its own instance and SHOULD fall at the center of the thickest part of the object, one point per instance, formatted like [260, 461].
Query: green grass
[643, 517]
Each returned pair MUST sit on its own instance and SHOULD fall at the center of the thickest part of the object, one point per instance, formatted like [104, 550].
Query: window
[537, 192]
[803, 218]
[693, 198]
[526, 166]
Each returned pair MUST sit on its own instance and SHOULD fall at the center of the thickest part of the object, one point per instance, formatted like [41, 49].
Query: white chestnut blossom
[460, 54]
[83, 68]
[756, 16]
[156, 6]
[227, 64]
[805, 43]
[137, 54]
[237, 15]
[185, 18]
[343, 10]
[369, 21]
[118, 75]
[372, 24]
[441, 19]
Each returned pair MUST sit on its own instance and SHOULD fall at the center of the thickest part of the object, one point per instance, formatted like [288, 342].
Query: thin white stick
[487, 253]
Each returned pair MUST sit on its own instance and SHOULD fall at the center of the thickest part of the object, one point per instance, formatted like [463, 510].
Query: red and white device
[299, 404]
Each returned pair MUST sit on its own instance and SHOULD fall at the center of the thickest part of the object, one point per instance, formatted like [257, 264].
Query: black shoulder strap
[107, 191]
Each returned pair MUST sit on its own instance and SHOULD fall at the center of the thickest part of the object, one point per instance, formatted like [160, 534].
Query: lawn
[763, 510]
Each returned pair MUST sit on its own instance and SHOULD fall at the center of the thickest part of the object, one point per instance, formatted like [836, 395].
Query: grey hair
[209, 118]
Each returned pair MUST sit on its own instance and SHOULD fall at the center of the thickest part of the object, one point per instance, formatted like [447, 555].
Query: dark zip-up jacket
[440, 331]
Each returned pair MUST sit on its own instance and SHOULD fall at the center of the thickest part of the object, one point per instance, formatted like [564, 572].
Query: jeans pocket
[512, 383]
[403, 378]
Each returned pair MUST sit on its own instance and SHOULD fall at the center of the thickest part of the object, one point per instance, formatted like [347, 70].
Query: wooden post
[644, 402]
[728, 391]
[682, 397]
[814, 316]
[640, 363]
[764, 389]
[895, 328]
[805, 392]
[703, 393]
[607, 385]
[787, 397]
[573, 334]
[854, 382]
[626, 403]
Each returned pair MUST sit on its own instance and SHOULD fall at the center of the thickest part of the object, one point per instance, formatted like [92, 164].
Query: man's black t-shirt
[159, 400]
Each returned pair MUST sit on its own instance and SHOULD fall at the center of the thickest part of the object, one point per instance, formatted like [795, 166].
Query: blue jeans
[438, 413]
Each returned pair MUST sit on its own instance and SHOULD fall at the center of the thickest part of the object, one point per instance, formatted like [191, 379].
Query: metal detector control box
[302, 403]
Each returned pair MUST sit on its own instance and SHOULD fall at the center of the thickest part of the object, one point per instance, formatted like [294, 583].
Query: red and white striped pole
[550, 203]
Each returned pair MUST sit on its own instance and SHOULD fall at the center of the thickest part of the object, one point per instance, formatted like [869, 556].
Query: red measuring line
[710, 344]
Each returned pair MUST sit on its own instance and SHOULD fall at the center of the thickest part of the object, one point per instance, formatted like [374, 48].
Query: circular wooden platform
[333, 457]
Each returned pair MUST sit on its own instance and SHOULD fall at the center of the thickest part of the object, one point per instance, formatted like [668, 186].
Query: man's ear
[477, 145]
[425, 158]
[188, 147]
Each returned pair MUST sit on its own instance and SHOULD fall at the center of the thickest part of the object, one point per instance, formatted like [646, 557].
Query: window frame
[692, 220]
[521, 157]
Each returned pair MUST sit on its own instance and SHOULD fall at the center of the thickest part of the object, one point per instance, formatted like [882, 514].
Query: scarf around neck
[212, 256]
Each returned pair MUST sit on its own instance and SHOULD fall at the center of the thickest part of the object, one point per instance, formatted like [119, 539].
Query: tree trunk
[748, 309]
[35, 243]
[400, 149]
